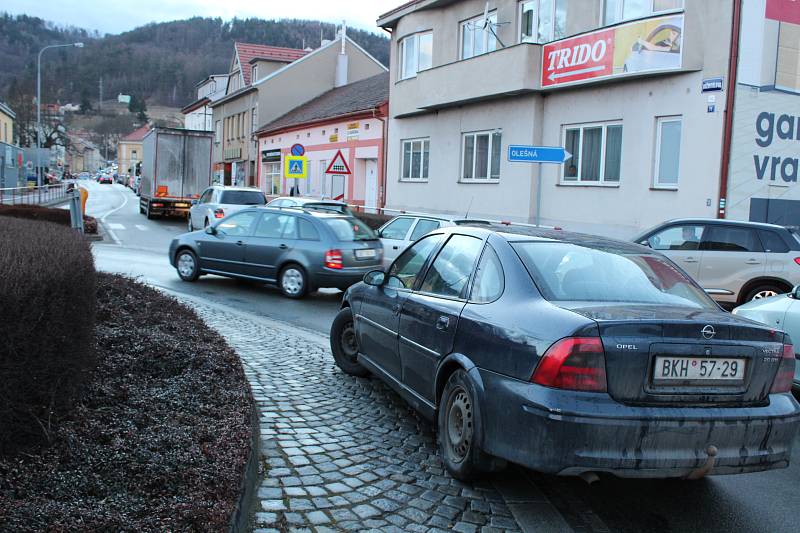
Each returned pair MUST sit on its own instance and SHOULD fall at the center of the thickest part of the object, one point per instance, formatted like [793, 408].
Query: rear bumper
[166, 206]
[341, 279]
[568, 433]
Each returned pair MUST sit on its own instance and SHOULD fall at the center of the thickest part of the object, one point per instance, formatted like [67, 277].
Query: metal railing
[45, 194]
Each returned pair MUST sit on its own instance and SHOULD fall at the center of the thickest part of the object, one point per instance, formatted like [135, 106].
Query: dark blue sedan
[570, 354]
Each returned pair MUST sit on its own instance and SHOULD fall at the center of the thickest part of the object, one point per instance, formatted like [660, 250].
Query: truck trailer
[176, 169]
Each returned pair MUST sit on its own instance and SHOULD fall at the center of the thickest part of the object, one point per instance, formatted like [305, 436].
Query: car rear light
[333, 259]
[219, 213]
[797, 260]
[573, 363]
[158, 205]
[785, 375]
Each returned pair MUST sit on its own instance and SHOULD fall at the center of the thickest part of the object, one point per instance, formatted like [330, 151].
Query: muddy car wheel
[344, 344]
[458, 433]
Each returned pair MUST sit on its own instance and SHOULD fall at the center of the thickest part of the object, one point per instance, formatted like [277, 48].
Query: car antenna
[469, 206]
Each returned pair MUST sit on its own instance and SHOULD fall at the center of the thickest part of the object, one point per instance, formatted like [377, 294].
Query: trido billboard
[641, 46]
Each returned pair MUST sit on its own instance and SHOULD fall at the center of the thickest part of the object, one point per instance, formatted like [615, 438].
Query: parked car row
[571, 355]
[558, 351]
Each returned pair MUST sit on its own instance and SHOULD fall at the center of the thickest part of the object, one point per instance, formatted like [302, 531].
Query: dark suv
[297, 250]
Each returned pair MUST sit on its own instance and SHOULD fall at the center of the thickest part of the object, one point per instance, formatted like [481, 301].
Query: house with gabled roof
[129, 150]
[350, 120]
[264, 83]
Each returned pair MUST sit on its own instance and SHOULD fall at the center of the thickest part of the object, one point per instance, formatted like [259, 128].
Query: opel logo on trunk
[708, 332]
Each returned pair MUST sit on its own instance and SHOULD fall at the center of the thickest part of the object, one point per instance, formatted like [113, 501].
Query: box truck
[176, 169]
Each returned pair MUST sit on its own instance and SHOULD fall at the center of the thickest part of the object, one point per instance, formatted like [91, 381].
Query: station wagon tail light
[219, 213]
[333, 259]
[785, 375]
[797, 260]
[573, 363]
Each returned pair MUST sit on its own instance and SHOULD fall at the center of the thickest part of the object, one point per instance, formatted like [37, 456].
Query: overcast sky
[117, 16]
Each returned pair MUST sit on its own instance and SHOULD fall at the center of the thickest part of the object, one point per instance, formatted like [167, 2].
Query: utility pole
[100, 105]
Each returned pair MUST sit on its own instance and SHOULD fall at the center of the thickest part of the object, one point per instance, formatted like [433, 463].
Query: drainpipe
[384, 154]
[733, 63]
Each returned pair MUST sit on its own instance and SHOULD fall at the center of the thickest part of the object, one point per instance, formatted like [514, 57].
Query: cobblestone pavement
[344, 453]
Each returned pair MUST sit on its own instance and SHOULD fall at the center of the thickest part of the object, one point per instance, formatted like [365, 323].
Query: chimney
[341, 60]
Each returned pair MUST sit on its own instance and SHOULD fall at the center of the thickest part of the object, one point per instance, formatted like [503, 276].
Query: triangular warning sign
[295, 167]
[338, 165]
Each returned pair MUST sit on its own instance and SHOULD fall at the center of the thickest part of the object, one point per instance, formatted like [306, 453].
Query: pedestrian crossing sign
[296, 166]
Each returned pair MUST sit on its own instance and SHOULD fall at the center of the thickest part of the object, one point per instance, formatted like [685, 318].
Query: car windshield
[242, 198]
[350, 229]
[571, 272]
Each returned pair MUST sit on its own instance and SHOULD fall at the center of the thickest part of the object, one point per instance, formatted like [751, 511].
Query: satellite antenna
[487, 24]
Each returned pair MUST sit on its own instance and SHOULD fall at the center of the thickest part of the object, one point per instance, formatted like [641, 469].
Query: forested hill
[160, 62]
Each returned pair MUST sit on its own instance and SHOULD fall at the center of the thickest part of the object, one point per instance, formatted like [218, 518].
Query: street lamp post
[39, 105]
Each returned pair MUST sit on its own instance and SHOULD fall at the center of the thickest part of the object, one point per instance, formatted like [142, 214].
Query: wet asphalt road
[763, 502]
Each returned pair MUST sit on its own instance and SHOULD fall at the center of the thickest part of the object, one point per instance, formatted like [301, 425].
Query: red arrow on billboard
[338, 165]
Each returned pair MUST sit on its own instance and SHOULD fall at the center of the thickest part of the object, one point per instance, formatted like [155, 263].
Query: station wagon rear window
[242, 198]
[569, 272]
[350, 229]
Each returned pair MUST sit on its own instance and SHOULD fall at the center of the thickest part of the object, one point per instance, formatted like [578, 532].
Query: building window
[254, 76]
[481, 156]
[416, 157]
[618, 10]
[416, 54]
[542, 21]
[477, 36]
[668, 152]
[596, 154]
[272, 173]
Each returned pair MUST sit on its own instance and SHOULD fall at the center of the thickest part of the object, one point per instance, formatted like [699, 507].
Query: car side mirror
[211, 230]
[194, 202]
[796, 293]
[375, 278]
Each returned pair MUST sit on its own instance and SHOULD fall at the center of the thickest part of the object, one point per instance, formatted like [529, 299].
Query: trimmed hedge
[47, 320]
[49, 214]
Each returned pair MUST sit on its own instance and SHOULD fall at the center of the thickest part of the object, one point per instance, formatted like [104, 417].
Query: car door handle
[395, 247]
[753, 262]
[690, 260]
[442, 323]
[239, 243]
[283, 247]
[396, 309]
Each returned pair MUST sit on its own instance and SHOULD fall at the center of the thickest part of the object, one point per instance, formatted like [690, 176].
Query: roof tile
[357, 96]
[248, 51]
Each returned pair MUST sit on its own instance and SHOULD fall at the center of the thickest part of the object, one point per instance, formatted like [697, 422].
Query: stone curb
[245, 506]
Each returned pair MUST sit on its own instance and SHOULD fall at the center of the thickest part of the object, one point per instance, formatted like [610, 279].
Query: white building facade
[198, 115]
[618, 83]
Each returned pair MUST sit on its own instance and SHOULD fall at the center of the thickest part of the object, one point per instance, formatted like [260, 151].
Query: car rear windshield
[350, 229]
[570, 272]
[242, 198]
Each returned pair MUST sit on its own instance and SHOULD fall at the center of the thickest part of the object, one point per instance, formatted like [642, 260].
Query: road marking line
[142, 227]
[114, 225]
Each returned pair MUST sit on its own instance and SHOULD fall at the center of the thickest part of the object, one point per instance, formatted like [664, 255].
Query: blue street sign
[712, 84]
[537, 154]
[298, 149]
[295, 167]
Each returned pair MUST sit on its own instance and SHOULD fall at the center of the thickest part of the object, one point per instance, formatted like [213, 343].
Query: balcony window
[481, 156]
[477, 36]
[618, 10]
[416, 156]
[416, 54]
[542, 21]
[596, 154]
